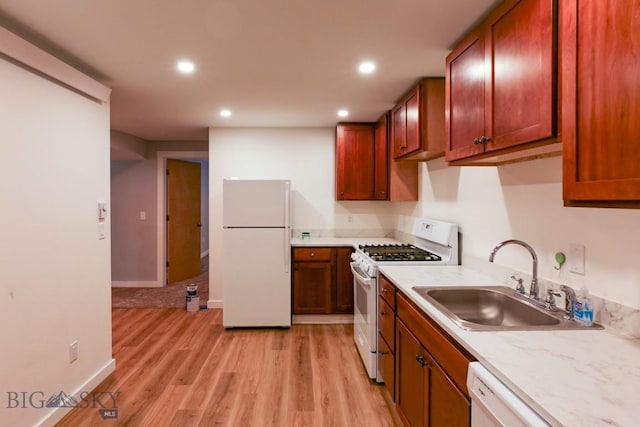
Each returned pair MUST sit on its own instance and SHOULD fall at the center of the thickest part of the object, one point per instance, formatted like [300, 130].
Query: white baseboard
[321, 319]
[204, 254]
[56, 414]
[214, 303]
[136, 284]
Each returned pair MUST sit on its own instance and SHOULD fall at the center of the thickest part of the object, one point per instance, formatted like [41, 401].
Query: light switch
[143, 215]
[102, 211]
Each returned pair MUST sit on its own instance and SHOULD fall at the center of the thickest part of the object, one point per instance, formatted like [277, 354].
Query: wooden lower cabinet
[322, 282]
[430, 372]
[344, 281]
[448, 406]
[412, 378]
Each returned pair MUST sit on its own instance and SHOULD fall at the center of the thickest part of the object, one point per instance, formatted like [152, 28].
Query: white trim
[136, 284]
[33, 57]
[214, 303]
[161, 166]
[321, 319]
[204, 254]
[56, 414]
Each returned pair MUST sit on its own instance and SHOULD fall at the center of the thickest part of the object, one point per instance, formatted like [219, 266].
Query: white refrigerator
[256, 250]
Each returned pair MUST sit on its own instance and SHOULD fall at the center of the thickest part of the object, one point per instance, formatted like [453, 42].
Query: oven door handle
[360, 276]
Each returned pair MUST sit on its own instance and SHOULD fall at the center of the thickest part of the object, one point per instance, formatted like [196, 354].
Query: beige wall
[55, 284]
[524, 201]
[306, 156]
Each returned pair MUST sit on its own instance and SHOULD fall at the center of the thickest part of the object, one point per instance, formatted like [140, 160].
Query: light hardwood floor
[184, 369]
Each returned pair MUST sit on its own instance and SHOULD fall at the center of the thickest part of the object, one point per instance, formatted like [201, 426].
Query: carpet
[172, 295]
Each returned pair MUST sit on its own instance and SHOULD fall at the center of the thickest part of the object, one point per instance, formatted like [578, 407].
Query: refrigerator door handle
[287, 205]
[287, 248]
[287, 226]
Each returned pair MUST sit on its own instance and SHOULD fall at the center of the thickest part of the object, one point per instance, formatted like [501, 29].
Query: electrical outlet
[73, 351]
[576, 258]
[349, 219]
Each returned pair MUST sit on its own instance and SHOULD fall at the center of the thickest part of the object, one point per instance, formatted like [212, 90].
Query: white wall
[524, 201]
[55, 284]
[306, 156]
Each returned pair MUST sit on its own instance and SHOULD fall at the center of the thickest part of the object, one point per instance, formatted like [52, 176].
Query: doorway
[164, 241]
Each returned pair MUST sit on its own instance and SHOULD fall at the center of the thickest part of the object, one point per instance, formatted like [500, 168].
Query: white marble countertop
[571, 378]
[341, 241]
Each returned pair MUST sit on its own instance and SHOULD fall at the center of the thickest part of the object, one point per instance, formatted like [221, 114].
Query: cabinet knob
[313, 254]
[383, 290]
[477, 141]
[484, 138]
[421, 361]
[382, 313]
[403, 147]
[384, 353]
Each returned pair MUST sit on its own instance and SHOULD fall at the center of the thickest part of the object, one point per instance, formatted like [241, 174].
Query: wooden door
[344, 281]
[354, 161]
[465, 98]
[600, 61]
[412, 378]
[381, 159]
[521, 86]
[183, 220]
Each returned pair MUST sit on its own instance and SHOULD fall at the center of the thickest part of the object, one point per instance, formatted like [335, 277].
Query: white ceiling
[272, 62]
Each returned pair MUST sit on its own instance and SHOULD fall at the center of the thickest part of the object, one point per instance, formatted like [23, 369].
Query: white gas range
[434, 243]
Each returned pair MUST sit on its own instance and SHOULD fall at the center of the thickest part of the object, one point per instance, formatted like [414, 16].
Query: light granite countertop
[341, 241]
[571, 378]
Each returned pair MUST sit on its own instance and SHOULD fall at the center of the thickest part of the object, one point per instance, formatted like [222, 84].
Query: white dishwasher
[493, 404]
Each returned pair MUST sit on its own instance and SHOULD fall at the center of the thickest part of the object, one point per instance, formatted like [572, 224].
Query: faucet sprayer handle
[519, 286]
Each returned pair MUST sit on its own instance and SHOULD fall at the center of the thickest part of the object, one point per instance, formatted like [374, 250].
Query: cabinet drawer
[386, 364]
[386, 323]
[452, 359]
[312, 254]
[387, 291]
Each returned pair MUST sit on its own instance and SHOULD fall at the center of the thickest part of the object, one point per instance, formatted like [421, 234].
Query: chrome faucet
[569, 300]
[533, 290]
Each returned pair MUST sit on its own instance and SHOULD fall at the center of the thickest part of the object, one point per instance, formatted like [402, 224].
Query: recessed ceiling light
[367, 67]
[225, 113]
[186, 67]
[343, 113]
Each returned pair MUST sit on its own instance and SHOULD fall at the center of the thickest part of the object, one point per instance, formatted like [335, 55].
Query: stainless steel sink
[494, 308]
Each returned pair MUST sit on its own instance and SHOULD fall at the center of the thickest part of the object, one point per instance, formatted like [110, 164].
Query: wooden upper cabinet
[402, 177]
[355, 161]
[465, 98]
[600, 61]
[381, 160]
[418, 122]
[501, 94]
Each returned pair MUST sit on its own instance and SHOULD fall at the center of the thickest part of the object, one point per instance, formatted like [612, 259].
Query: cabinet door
[313, 290]
[465, 98]
[386, 365]
[600, 60]
[381, 160]
[412, 378]
[413, 140]
[344, 279]
[354, 161]
[520, 88]
[398, 130]
[449, 407]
